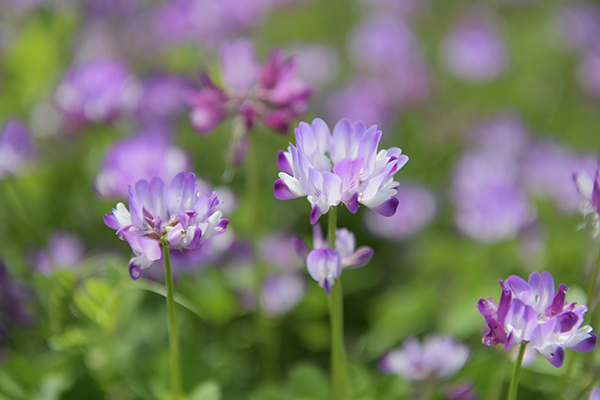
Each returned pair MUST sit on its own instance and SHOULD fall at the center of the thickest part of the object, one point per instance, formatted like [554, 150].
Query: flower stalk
[514, 383]
[173, 336]
[339, 373]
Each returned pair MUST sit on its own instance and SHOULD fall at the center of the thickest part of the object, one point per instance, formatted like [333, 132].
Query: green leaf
[208, 390]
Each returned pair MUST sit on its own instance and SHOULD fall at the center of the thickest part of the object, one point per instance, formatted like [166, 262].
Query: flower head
[533, 312]
[438, 356]
[177, 216]
[344, 166]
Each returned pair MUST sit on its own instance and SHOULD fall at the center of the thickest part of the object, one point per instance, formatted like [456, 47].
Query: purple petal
[315, 214]
[595, 395]
[327, 287]
[135, 272]
[504, 304]
[281, 191]
[111, 221]
[558, 304]
[585, 346]
[278, 120]
[567, 321]
[175, 235]
[360, 257]
[388, 207]
[283, 163]
[352, 204]
[239, 64]
[557, 357]
[300, 248]
[497, 329]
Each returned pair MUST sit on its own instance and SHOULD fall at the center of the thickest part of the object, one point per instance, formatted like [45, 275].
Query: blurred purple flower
[437, 357]
[416, 209]
[345, 166]
[14, 300]
[532, 311]
[96, 91]
[177, 216]
[577, 25]
[316, 64]
[163, 96]
[65, 250]
[548, 171]
[16, 150]
[595, 395]
[474, 50]
[282, 292]
[144, 156]
[490, 203]
[588, 72]
[503, 135]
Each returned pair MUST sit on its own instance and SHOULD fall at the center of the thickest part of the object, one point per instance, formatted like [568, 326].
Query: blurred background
[496, 103]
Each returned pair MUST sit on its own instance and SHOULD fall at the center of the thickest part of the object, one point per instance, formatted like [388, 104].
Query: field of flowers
[299, 199]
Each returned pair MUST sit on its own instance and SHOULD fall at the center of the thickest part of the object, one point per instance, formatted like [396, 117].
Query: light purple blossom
[577, 25]
[16, 150]
[282, 292]
[437, 357]
[474, 50]
[270, 92]
[65, 251]
[532, 311]
[163, 96]
[144, 156]
[343, 167]
[595, 395]
[177, 216]
[416, 209]
[96, 91]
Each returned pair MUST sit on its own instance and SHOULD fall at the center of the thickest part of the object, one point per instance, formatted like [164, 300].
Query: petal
[239, 64]
[388, 207]
[300, 247]
[282, 192]
[586, 345]
[315, 214]
[283, 163]
[360, 257]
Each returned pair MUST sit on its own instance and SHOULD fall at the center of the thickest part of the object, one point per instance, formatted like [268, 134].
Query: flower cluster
[439, 356]
[590, 192]
[533, 312]
[178, 216]
[343, 167]
[324, 264]
[270, 93]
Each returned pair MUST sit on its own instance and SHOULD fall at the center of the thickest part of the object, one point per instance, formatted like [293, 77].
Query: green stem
[592, 290]
[514, 383]
[173, 337]
[339, 374]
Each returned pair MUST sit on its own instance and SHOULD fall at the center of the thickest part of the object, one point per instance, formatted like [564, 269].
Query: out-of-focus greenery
[99, 335]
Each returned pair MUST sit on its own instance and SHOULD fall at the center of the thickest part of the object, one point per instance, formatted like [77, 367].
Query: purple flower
[595, 395]
[416, 209]
[16, 151]
[96, 91]
[65, 250]
[590, 205]
[270, 92]
[282, 292]
[588, 72]
[177, 216]
[316, 64]
[532, 311]
[144, 156]
[325, 264]
[345, 166]
[474, 50]
[577, 25]
[437, 357]
[163, 96]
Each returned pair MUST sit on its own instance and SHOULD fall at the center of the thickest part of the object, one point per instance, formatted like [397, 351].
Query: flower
[595, 395]
[590, 205]
[270, 93]
[143, 156]
[437, 357]
[16, 151]
[65, 250]
[177, 216]
[163, 97]
[96, 91]
[533, 312]
[325, 264]
[341, 167]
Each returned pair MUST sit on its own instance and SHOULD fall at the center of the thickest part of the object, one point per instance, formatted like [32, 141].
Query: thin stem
[514, 383]
[589, 386]
[592, 289]
[339, 374]
[173, 337]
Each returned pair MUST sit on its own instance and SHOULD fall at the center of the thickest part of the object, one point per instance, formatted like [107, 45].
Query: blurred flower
[96, 91]
[16, 150]
[590, 206]
[416, 209]
[316, 64]
[503, 135]
[588, 72]
[532, 311]
[14, 300]
[144, 156]
[341, 167]
[65, 250]
[282, 292]
[270, 92]
[548, 169]
[437, 357]
[163, 96]
[577, 25]
[177, 216]
[595, 395]
[474, 50]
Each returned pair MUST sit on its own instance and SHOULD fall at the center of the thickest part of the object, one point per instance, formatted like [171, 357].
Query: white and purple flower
[345, 167]
[437, 357]
[533, 312]
[324, 264]
[177, 216]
